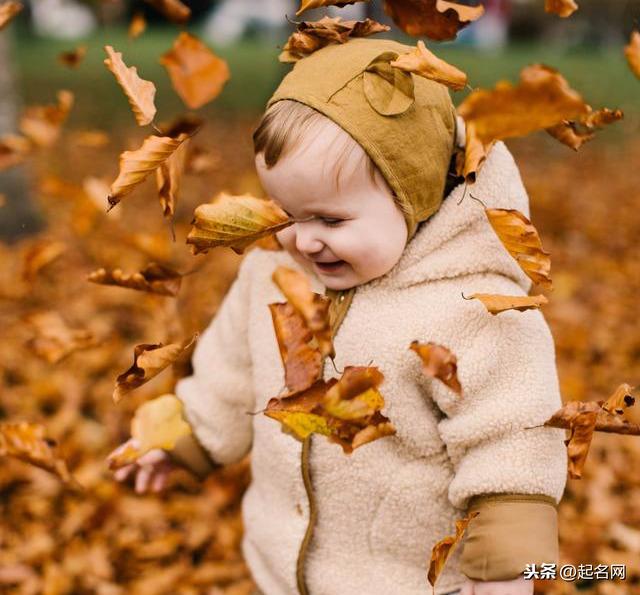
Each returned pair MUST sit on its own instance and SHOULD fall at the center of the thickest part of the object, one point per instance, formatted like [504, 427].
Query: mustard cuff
[189, 453]
[510, 531]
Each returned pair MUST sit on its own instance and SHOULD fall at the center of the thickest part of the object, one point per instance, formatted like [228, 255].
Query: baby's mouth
[328, 267]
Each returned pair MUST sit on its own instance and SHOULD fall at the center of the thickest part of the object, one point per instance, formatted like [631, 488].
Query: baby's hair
[282, 129]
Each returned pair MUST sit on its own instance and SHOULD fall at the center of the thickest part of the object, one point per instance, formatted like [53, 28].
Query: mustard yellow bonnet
[405, 123]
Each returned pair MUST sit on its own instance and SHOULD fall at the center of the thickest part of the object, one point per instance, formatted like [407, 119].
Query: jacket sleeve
[513, 476]
[219, 394]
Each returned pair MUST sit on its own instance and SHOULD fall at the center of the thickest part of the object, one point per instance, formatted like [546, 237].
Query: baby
[358, 154]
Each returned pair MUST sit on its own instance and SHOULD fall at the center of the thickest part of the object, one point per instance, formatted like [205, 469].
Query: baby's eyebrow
[322, 213]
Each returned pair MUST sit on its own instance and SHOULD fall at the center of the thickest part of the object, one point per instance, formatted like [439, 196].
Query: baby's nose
[307, 243]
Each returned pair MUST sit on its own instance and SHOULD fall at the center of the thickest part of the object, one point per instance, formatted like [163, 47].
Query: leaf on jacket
[302, 361]
[8, 10]
[137, 25]
[53, 339]
[542, 99]
[499, 303]
[435, 19]
[42, 123]
[438, 362]
[574, 133]
[149, 359]
[140, 93]
[39, 254]
[620, 400]
[313, 35]
[470, 160]
[173, 10]
[444, 548]
[196, 73]
[563, 8]
[309, 4]
[235, 222]
[14, 149]
[72, 58]
[632, 53]
[28, 442]
[347, 410]
[136, 165]
[424, 63]
[154, 278]
[522, 241]
[313, 307]
[158, 423]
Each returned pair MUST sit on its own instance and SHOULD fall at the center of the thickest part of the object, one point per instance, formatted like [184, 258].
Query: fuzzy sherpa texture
[382, 508]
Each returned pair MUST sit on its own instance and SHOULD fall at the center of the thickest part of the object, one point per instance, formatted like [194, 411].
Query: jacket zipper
[340, 302]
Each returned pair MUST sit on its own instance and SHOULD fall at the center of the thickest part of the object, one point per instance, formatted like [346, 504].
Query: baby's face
[358, 227]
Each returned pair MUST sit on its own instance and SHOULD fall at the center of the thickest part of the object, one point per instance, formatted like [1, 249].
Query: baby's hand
[517, 586]
[152, 468]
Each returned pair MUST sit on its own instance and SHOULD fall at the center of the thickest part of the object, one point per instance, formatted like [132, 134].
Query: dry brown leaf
[438, 362]
[632, 53]
[42, 123]
[154, 278]
[499, 303]
[309, 4]
[136, 165]
[582, 428]
[313, 308]
[605, 422]
[521, 239]
[39, 255]
[174, 10]
[620, 400]
[575, 133]
[435, 19]
[313, 35]
[54, 339]
[8, 10]
[28, 442]
[563, 8]
[234, 221]
[424, 63]
[196, 73]
[137, 25]
[542, 99]
[444, 548]
[149, 359]
[302, 361]
[139, 92]
[73, 57]
[14, 149]
[469, 162]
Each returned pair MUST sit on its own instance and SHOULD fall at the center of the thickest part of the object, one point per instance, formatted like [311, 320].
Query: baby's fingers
[124, 472]
[159, 480]
[142, 479]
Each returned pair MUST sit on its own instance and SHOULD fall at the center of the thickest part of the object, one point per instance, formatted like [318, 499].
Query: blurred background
[54, 231]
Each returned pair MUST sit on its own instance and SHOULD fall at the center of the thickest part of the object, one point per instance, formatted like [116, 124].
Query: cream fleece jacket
[382, 508]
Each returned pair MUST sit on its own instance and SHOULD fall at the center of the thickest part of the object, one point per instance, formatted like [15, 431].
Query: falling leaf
[73, 58]
[575, 133]
[234, 221]
[42, 124]
[605, 421]
[542, 99]
[313, 307]
[354, 397]
[424, 63]
[173, 10]
[8, 10]
[522, 241]
[620, 400]
[632, 53]
[313, 35]
[438, 362]
[444, 548]
[309, 4]
[140, 93]
[28, 442]
[39, 255]
[148, 361]
[154, 278]
[435, 19]
[90, 138]
[499, 303]
[196, 73]
[474, 155]
[137, 25]
[563, 8]
[14, 149]
[302, 361]
[579, 441]
[54, 339]
[136, 165]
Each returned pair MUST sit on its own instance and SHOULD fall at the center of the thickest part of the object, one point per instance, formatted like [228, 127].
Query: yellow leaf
[499, 303]
[159, 423]
[42, 123]
[137, 25]
[139, 92]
